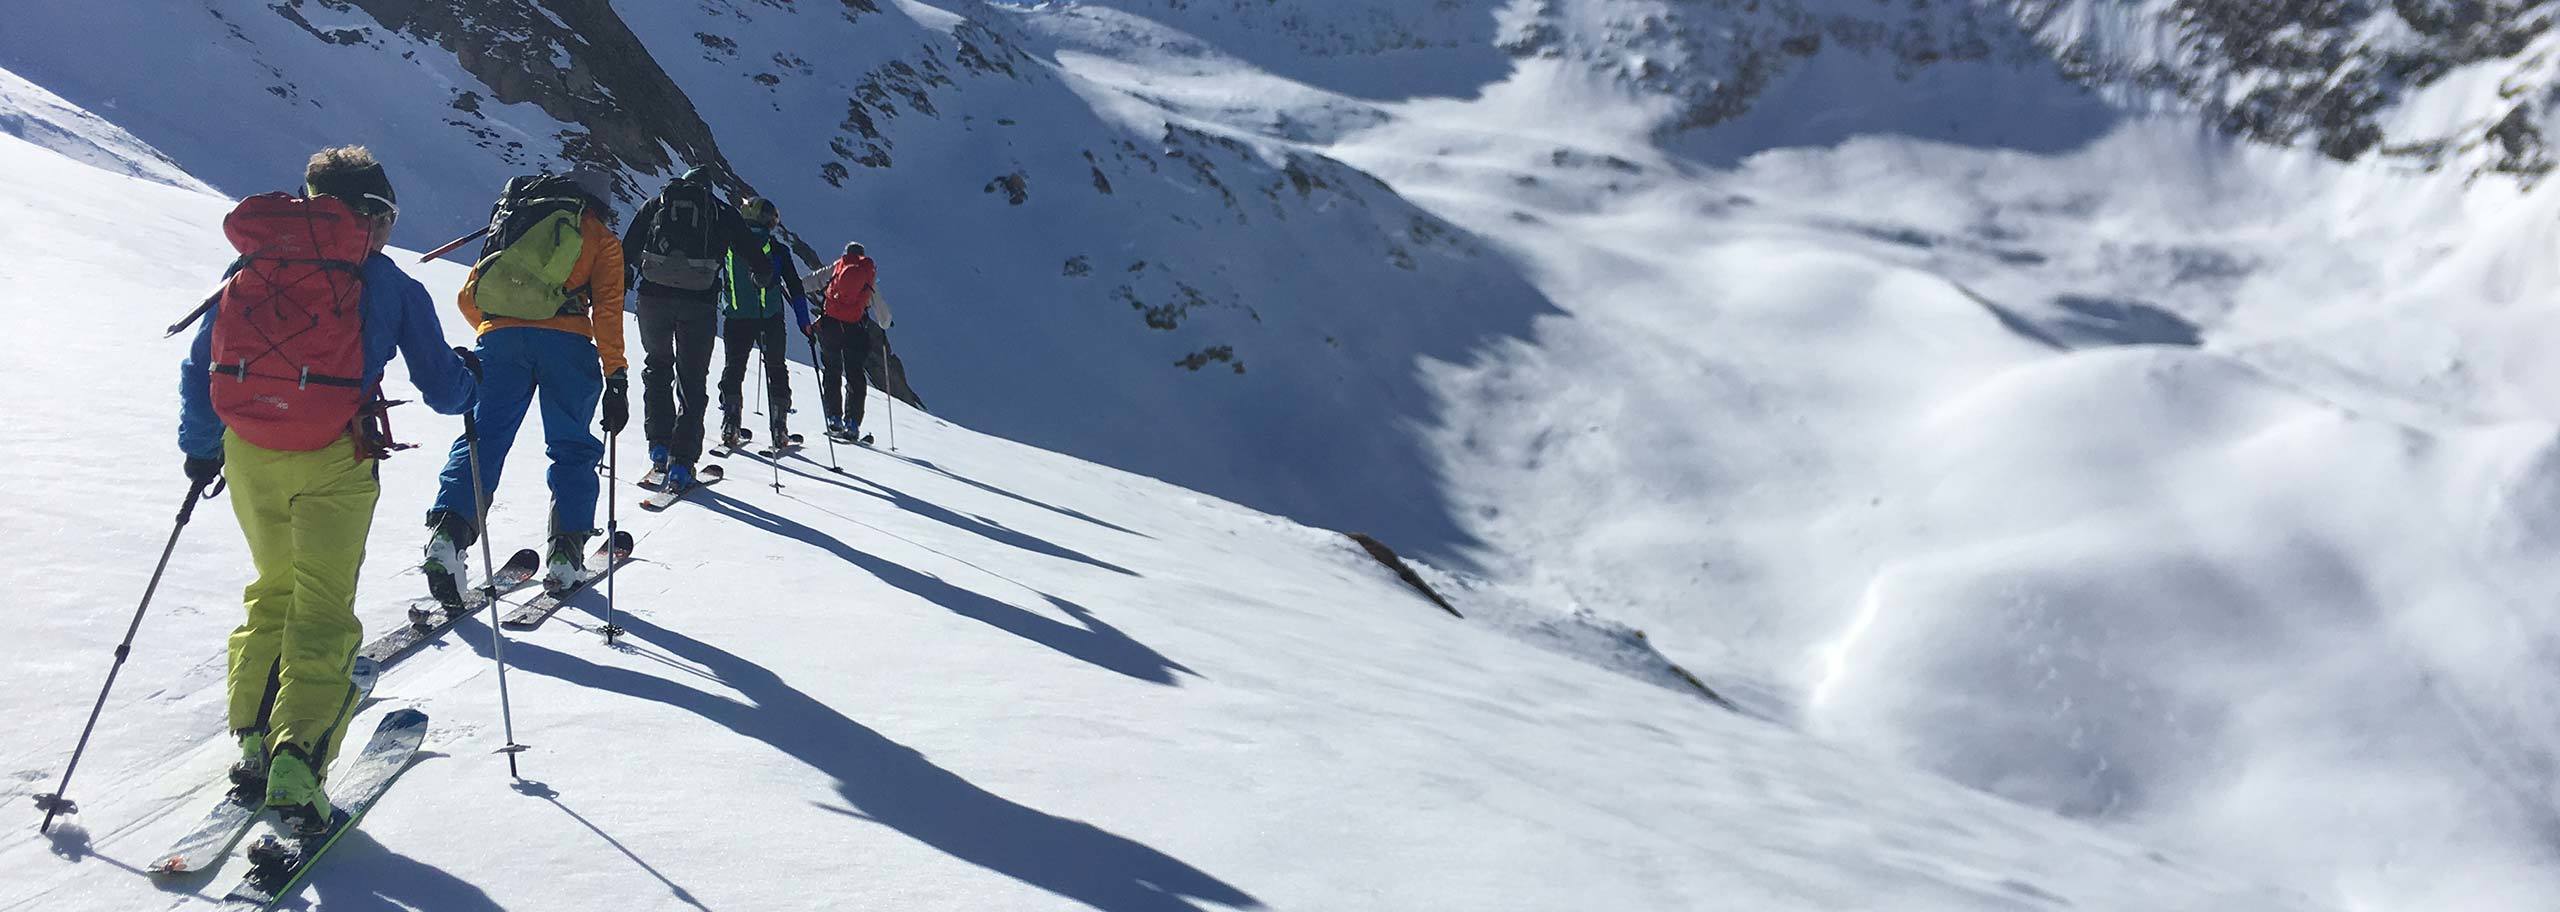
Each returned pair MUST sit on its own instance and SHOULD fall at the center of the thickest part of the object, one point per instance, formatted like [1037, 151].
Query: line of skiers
[281, 398]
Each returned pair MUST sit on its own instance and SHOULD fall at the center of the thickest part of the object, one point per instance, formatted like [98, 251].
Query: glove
[470, 360]
[809, 331]
[617, 402]
[204, 471]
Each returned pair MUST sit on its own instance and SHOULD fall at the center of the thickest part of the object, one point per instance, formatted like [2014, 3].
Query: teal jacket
[742, 298]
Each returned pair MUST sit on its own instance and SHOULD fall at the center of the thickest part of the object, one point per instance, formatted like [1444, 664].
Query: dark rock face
[576, 60]
[2324, 73]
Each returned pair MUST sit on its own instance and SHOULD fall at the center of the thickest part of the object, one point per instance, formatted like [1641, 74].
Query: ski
[279, 864]
[429, 618]
[850, 440]
[237, 809]
[667, 497]
[655, 478]
[733, 442]
[607, 557]
[780, 447]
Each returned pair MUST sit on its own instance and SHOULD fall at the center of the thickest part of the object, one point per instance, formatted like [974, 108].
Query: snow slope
[2083, 456]
[969, 674]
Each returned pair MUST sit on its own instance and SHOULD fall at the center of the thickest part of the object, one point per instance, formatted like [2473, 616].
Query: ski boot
[731, 437]
[658, 458]
[565, 567]
[680, 477]
[249, 775]
[447, 565]
[294, 793]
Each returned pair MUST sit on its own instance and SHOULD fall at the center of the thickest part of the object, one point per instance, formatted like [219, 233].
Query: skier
[752, 318]
[280, 395]
[677, 243]
[550, 324]
[844, 345]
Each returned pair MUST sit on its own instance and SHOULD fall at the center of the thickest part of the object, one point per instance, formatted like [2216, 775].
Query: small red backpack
[288, 358]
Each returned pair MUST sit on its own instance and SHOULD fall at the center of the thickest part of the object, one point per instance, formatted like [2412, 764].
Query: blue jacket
[398, 316]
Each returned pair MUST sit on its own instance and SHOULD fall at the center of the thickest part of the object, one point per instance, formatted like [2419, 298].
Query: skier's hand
[204, 471]
[809, 331]
[470, 360]
[617, 402]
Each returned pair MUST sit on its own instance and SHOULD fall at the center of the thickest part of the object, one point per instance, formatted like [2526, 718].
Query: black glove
[470, 359]
[617, 403]
[204, 471]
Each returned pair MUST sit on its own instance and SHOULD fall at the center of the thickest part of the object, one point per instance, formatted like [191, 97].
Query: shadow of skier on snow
[1094, 642]
[985, 528]
[928, 465]
[363, 875]
[893, 785]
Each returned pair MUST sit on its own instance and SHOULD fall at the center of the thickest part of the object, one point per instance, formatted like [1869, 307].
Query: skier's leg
[857, 346]
[506, 390]
[263, 504]
[830, 372]
[658, 369]
[572, 383]
[777, 373]
[505, 393]
[695, 325]
[737, 344]
[332, 514]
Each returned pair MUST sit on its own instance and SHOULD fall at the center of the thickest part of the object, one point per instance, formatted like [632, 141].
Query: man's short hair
[351, 174]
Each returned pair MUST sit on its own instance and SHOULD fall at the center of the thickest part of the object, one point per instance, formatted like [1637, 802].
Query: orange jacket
[599, 270]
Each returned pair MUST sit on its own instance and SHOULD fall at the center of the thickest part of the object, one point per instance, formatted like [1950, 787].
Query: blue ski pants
[518, 365]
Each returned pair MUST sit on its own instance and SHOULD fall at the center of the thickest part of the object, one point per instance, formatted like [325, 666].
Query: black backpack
[680, 253]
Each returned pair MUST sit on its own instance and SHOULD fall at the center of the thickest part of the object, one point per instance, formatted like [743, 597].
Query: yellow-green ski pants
[306, 516]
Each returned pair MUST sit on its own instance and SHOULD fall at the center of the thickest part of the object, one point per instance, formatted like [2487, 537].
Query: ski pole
[612, 525]
[59, 802]
[893, 417]
[764, 367]
[489, 597]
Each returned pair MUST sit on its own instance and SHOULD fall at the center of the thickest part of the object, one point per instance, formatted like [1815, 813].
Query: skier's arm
[638, 237]
[879, 309]
[605, 289]
[797, 293]
[199, 429]
[744, 244]
[440, 376]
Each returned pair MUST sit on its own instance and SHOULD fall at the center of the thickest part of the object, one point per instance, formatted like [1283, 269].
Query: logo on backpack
[534, 242]
[288, 326]
[679, 253]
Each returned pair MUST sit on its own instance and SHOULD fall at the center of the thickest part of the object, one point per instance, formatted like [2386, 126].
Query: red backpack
[849, 292]
[288, 327]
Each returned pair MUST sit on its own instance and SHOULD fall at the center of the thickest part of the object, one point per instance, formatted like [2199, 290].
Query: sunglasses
[374, 205]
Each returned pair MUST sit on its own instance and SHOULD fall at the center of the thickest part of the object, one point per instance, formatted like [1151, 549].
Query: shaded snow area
[965, 675]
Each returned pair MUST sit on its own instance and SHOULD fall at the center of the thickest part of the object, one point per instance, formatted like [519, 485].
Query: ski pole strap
[201, 491]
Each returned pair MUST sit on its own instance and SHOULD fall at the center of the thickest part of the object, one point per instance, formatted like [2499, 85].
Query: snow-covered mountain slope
[1848, 425]
[1795, 333]
[966, 675]
[1066, 262]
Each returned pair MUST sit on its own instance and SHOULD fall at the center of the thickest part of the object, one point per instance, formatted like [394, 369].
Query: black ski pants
[675, 336]
[740, 337]
[842, 349]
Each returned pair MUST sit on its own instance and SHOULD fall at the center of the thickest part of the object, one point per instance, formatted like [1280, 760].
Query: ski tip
[622, 541]
[404, 718]
[712, 471]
